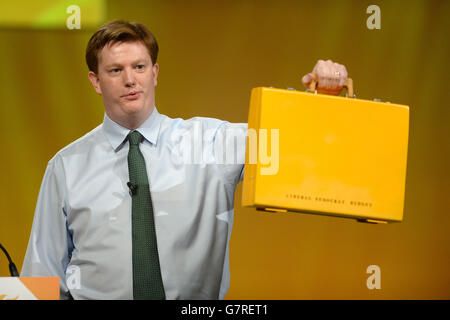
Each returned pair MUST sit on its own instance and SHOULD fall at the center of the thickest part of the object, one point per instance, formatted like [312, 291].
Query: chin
[135, 107]
[137, 112]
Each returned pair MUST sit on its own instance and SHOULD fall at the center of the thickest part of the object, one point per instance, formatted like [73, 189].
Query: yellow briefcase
[322, 154]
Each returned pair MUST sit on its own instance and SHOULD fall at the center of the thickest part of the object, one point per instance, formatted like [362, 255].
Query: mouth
[133, 95]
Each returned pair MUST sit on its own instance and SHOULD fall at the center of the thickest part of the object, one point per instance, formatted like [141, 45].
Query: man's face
[126, 80]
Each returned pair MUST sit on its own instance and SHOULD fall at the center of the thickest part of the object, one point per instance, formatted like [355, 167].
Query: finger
[328, 80]
[344, 75]
[323, 75]
[306, 79]
[317, 66]
[332, 75]
[338, 75]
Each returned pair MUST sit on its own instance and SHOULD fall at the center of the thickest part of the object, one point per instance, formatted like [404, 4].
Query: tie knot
[135, 138]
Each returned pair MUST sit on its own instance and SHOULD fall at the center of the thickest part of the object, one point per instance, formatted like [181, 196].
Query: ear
[95, 82]
[155, 70]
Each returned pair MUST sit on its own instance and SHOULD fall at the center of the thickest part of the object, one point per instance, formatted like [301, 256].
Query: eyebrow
[119, 65]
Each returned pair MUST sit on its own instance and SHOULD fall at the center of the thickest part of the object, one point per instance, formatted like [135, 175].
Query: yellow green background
[211, 54]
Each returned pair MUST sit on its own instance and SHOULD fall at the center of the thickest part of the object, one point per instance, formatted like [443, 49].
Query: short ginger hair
[115, 32]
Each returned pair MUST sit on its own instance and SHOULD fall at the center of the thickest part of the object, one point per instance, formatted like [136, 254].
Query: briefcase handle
[348, 84]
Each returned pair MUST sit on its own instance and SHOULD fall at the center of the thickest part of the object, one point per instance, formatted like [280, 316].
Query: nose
[129, 78]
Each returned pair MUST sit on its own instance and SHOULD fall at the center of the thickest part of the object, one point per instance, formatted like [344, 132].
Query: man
[97, 225]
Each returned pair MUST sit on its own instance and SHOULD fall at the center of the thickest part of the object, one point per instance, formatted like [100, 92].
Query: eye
[115, 70]
[140, 66]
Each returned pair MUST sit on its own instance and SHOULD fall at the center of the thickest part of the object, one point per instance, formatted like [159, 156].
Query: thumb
[307, 78]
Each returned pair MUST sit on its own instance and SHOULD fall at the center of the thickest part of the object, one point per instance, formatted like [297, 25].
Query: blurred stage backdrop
[211, 54]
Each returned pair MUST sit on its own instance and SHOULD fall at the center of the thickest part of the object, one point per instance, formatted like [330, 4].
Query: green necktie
[147, 281]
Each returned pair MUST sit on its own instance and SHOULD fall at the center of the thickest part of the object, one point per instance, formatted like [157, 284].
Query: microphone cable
[12, 266]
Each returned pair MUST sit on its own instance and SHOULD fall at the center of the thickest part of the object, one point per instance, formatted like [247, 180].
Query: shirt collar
[116, 134]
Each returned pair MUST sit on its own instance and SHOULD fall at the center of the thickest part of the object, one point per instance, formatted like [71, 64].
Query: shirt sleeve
[229, 147]
[50, 242]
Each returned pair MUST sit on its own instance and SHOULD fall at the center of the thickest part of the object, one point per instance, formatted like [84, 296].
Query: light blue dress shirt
[82, 225]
